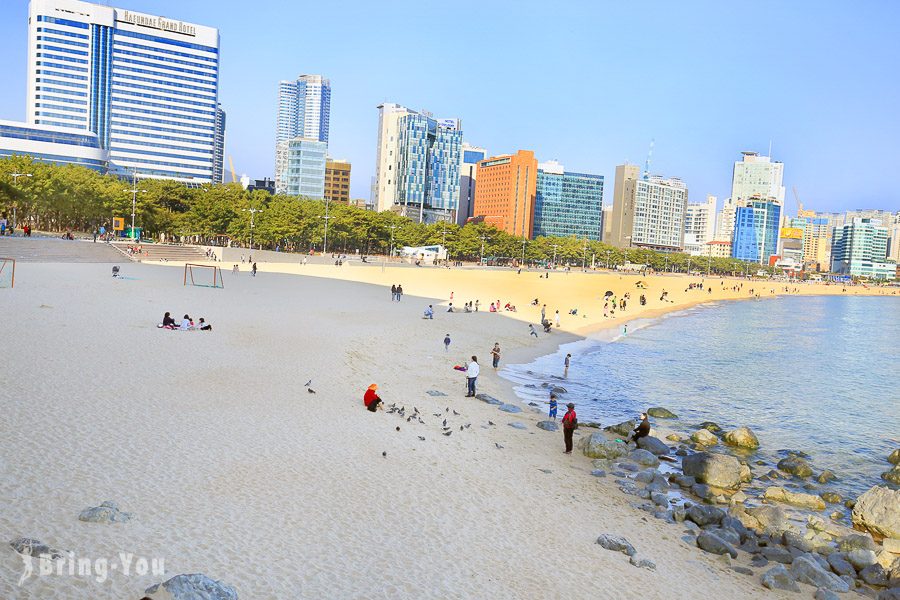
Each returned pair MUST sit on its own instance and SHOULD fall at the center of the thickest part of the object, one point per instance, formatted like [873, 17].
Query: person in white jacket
[472, 371]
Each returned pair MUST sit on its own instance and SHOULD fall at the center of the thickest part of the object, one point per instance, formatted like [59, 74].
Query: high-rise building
[816, 240]
[468, 172]
[52, 144]
[757, 176]
[304, 109]
[147, 86]
[337, 181]
[300, 168]
[648, 211]
[417, 171]
[568, 204]
[506, 190]
[859, 249]
[219, 147]
[756, 229]
[894, 241]
[699, 226]
[725, 221]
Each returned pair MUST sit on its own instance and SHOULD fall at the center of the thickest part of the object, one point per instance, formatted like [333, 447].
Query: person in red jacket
[371, 399]
[569, 423]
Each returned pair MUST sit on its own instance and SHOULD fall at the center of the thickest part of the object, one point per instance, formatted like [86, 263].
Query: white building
[304, 109]
[659, 207]
[699, 226]
[757, 176]
[385, 185]
[300, 168]
[146, 85]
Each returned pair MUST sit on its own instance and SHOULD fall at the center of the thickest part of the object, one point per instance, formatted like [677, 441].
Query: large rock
[714, 469]
[107, 512]
[860, 559]
[488, 398]
[623, 428]
[35, 548]
[597, 446]
[874, 575]
[710, 426]
[807, 570]
[856, 541]
[893, 476]
[644, 458]
[779, 494]
[616, 544]
[772, 519]
[823, 594]
[891, 594]
[548, 425]
[742, 437]
[701, 514]
[661, 413]
[654, 445]
[836, 530]
[710, 542]
[796, 466]
[840, 565]
[703, 436]
[778, 578]
[195, 586]
[510, 408]
[878, 511]
[894, 458]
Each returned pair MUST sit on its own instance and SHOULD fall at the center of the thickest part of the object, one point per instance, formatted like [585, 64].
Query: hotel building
[568, 204]
[506, 190]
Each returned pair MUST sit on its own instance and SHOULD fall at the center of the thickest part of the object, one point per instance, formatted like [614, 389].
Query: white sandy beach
[233, 470]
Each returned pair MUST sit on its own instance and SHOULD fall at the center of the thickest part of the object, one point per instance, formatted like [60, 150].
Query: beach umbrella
[608, 294]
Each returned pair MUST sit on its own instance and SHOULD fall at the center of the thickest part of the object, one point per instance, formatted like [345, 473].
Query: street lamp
[555, 246]
[15, 177]
[524, 241]
[483, 238]
[252, 212]
[134, 192]
[607, 259]
[666, 268]
[689, 265]
[584, 256]
[392, 228]
[326, 217]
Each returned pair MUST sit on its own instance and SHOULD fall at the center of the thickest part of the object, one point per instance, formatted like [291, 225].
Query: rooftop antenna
[647, 164]
[770, 148]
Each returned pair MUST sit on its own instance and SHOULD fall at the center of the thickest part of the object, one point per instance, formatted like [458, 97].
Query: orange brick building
[505, 192]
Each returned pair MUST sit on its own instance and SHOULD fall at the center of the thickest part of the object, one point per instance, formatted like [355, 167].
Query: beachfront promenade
[231, 468]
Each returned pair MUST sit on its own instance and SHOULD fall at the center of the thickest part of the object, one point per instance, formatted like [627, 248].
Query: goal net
[203, 276]
[7, 272]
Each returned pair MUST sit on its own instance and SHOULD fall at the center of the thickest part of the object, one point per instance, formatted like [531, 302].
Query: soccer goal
[7, 272]
[203, 276]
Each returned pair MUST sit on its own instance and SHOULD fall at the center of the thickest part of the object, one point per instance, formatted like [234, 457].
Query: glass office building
[57, 145]
[568, 204]
[756, 227]
[147, 86]
[859, 248]
[304, 109]
[300, 168]
[428, 167]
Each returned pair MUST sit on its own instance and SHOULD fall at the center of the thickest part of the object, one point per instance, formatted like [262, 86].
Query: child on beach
[370, 399]
[531, 328]
[553, 406]
[447, 343]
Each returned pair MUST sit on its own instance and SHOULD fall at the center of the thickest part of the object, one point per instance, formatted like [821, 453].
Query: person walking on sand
[472, 371]
[393, 293]
[253, 270]
[566, 365]
[569, 424]
[399, 292]
[557, 318]
[495, 355]
[543, 312]
[553, 406]
[447, 343]
[531, 328]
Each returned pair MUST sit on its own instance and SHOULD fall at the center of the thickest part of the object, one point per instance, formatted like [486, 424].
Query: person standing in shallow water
[569, 424]
[566, 365]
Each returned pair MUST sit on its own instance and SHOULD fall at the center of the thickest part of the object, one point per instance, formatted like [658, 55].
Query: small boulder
[874, 575]
[597, 446]
[710, 542]
[616, 544]
[623, 428]
[893, 476]
[779, 494]
[856, 541]
[831, 497]
[878, 511]
[746, 474]
[517, 425]
[107, 512]
[824, 594]
[702, 514]
[654, 445]
[548, 425]
[488, 398]
[840, 565]
[771, 518]
[661, 413]
[709, 426]
[825, 476]
[807, 570]
[778, 554]
[894, 458]
[742, 437]
[891, 594]
[796, 466]
[778, 578]
[860, 559]
[510, 408]
[674, 437]
[644, 458]
[704, 437]
[195, 586]
[718, 470]
[558, 389]
[35, 548]
[642, 563]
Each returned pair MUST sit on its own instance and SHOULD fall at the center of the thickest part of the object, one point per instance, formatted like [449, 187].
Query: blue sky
[585, 83]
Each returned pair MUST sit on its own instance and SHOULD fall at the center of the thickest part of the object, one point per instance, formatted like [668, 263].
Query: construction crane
[797, 198]
[231, 164]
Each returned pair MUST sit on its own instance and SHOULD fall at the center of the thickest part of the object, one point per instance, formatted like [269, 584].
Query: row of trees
[58, 198]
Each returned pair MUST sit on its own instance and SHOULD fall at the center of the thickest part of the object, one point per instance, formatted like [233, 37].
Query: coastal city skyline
[686, 144]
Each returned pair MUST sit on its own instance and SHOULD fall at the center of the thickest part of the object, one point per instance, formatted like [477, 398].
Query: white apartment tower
[385, 185]
[699, 225]
[757, 176]
[304, 109]
[146, 85]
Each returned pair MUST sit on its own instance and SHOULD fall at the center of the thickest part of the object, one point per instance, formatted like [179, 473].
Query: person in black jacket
[642, 430]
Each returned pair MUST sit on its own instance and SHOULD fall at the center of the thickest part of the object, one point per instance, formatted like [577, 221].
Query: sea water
[816, 374]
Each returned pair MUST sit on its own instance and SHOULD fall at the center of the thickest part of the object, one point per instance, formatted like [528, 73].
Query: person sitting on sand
[429, 312]
[450, 309]
[168, 322]
[371, 400]
[492, 308]
[642, 430]
[186, 323]
[203, 325]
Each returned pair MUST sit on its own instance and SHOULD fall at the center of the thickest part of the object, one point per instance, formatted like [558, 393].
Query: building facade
[756, 230]
[699, 226]
[304, 109]
[468, 174]
[219, 147]
[506, 190]
[718, 249]
[816, 241]
[300, 168]
[568, 204]
[417, 170]
[147, 86]
[647, 211]
[757, 176]
[53, 144]
[859, 248]
[337, 181]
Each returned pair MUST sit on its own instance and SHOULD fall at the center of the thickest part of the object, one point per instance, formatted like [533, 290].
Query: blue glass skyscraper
[428, 163]
[568, 204]
[756, 230]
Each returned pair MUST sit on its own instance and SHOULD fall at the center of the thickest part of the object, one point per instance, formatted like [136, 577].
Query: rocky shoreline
[769, 525]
